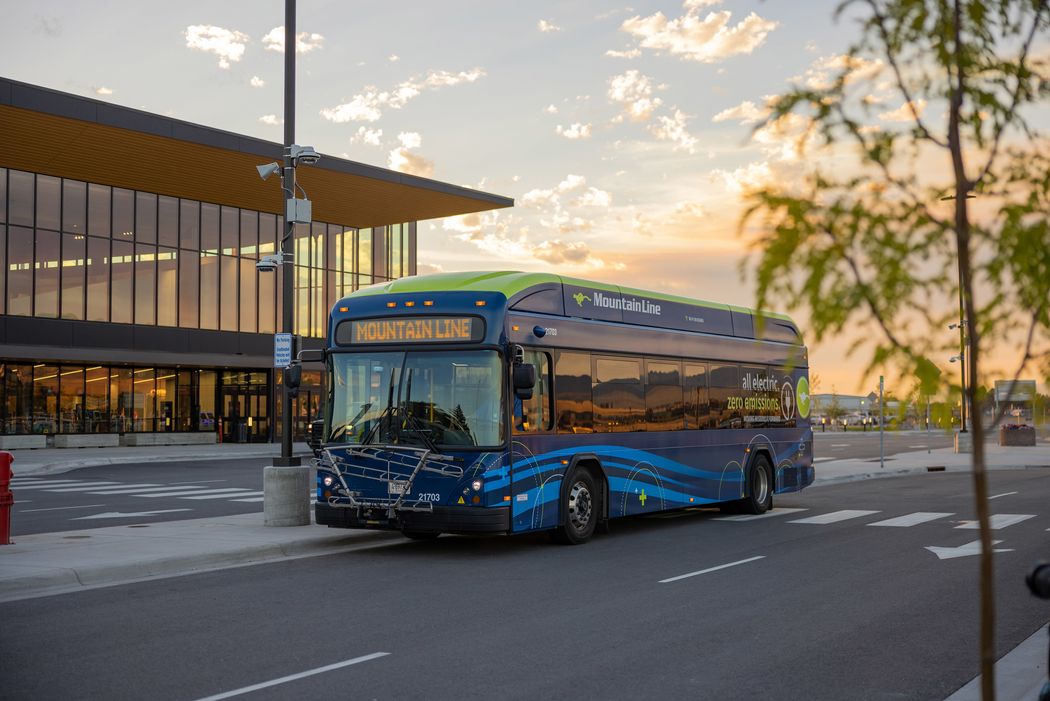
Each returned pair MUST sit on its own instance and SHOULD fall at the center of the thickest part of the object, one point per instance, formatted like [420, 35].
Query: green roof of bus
[511, 283]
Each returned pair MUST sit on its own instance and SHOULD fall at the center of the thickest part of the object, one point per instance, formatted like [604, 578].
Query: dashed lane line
[711, 569]
[194, 492]
[65, 490]
[62, 508]
[293, 677]
[1004, 494]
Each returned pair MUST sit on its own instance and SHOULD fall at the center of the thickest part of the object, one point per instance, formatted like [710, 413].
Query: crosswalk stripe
[911, 519]
[998, 521]
[249, 501]
[150, 488]
[52, 485]
[36, 483]
[88, 489]
[244, 493]
[834, 517]
[194, 492]
[755, 517]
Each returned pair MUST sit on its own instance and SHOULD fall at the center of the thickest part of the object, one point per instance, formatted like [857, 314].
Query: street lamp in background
[962, 332]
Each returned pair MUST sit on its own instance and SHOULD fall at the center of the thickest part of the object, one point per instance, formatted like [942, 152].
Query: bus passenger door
[535, 472]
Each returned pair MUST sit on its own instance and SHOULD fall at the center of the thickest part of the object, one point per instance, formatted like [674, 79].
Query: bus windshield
[428, 399]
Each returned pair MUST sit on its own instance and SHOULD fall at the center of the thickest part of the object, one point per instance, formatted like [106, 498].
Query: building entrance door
[245, 405]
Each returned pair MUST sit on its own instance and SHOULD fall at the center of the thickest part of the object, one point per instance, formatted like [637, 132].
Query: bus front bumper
[442, 519]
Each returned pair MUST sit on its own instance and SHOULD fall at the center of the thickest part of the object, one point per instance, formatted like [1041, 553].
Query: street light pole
[288, 239]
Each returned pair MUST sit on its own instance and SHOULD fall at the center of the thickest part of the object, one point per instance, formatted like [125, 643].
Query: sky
[623, 132]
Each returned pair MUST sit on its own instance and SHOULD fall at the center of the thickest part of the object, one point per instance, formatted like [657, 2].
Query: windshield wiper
[412, 421]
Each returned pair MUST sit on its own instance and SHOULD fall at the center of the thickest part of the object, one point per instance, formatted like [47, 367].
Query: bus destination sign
[425, 329]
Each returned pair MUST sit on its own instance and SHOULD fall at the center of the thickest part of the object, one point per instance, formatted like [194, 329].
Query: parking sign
[282, 350]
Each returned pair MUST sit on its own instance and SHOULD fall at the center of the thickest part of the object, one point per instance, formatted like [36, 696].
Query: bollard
[7, 499]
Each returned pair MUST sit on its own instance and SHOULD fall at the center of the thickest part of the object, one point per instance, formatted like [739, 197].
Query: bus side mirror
[293, 376]
[311, 355]
[524, 380]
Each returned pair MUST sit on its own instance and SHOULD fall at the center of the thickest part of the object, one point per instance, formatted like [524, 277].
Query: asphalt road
[865, 444]
[830, 610]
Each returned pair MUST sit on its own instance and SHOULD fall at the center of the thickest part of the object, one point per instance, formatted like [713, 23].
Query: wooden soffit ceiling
[342, 192]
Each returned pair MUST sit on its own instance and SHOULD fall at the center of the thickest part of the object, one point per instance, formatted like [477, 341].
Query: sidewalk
[53, 563]
[55, 461]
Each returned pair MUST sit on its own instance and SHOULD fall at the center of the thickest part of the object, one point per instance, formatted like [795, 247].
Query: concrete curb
[63, 465]
[1019, 674]
[80, 571]
[902, 471]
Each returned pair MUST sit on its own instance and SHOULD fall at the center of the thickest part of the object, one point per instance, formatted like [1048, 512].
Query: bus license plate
[396, 486]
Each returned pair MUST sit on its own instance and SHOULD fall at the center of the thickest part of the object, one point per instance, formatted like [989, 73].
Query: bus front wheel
[580, 506]
[759, 497]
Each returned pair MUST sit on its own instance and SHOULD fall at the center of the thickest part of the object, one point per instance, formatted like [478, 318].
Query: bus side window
[572, 387]
[726, 396]
[534, 415]
[663, 396]
[697, 404]
[619, 403]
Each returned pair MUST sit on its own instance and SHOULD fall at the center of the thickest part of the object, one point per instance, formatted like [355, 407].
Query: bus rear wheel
[759, 497]
[580, 508]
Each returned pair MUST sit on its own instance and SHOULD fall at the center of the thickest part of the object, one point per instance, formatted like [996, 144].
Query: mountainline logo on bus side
[642, 306]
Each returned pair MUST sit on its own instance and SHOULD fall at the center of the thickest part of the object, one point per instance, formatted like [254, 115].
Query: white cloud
[558, 251]
[688, 210]
[752, 177]
[257, 82]
[364, 135]
[746, 112]
[673, 129]
[103, 90]
[271, 119]
[629, 53]
[904, 112]
[305, 42]
[593, 197]
[824, 71]
[551, 109]
[403, 160]
[227, 44]
[705, 39]
[786, 138]
[368, 105]
[633, 91]
[545, 26]
[393, 58]
[575, 131]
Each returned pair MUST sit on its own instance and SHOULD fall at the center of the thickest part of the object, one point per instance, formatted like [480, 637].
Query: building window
[98, 210]
[98, 279]
[71, 399]
[189, 225]
[46, 274]
[74, 207]
[167, 287]
[122, 268]
[20, 198]
[45, 399]
[189, 287]
[123, 214]
[96, 399]
[74, 264]
[19, 270]
[168, 221]
[209, 295]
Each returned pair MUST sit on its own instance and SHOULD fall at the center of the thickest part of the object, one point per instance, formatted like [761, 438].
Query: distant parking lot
[840, 445]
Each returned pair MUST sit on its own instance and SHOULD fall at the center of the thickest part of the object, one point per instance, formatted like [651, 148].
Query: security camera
[269, 169]
[304, 155]
[267, 264]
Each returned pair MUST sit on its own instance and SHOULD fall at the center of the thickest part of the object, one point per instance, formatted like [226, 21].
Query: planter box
[1022, 436]
[37, 440]
[187, 438]
[86, 440]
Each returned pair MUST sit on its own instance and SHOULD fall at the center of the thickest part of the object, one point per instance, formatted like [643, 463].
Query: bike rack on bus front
[427, 461]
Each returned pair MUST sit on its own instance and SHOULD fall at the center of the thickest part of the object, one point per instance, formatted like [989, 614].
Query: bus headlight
[328, 481]
[476, 484]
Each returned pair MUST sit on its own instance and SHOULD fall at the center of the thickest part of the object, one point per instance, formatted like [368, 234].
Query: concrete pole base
[286, 495]
[963, 442]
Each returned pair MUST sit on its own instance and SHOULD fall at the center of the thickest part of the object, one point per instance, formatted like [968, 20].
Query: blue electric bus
[507, 402]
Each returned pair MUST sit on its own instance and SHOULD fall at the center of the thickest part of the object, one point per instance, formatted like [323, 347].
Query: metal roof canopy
[56, 133]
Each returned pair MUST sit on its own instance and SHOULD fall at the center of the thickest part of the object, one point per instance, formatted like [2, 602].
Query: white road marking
[52, 485]
[912, 519]
[755, 517]
[834, 517]
[178, 484]
[998, 521]
[61, 508]
[917, 446]
[128, 490]
[822, 459]
[712, 569]
[293, 677]
[973, 548]
[243, 493]
[118, 514]
[1004, 494]
[101, 485]
[840, 445]
[253, 500]
[194, 492]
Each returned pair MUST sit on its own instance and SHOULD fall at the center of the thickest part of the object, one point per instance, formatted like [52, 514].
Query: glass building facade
[88, 252]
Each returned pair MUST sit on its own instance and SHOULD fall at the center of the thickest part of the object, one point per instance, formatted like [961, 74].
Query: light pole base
[286, 495]
[963, 442]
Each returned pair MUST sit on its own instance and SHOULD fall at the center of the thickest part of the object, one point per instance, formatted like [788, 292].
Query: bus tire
[580, 504]
[420, 535]
[759, 497]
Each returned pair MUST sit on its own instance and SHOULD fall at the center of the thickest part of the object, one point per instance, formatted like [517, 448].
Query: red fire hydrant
[6, 497]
